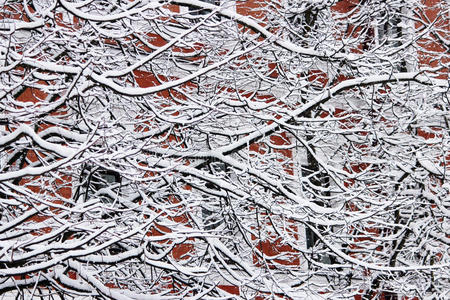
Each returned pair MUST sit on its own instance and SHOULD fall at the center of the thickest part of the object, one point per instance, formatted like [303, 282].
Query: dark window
[390, 296]
[95, 180]
[211, 216]
[389, 32]
[199, 11]
[211, 207]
